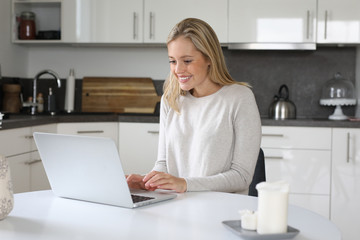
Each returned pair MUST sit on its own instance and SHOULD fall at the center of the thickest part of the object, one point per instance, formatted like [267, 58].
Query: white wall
[13, 58]
[100, 61]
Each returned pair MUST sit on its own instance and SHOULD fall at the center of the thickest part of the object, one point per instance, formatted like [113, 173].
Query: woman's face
[189, 66]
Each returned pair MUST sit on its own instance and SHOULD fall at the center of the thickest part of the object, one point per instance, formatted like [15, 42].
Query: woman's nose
[179, 68]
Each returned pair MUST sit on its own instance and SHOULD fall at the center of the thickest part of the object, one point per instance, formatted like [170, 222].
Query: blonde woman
[210, 127]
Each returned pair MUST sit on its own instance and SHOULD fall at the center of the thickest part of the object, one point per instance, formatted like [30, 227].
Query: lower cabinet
[95, 129]
[27, 171]
[345, 187]
[138, 146]
[301, 156]
[20, 172]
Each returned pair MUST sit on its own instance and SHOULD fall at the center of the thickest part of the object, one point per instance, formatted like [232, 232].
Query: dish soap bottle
[51, 102]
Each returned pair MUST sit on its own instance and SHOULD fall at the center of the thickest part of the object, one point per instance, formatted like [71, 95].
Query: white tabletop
[193, 215]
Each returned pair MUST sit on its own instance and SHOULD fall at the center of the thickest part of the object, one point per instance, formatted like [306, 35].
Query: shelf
[47, 18]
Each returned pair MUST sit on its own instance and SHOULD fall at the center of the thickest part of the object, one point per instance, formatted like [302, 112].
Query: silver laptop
[89, 169]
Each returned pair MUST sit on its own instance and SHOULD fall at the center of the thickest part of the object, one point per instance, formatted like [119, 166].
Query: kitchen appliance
[282, 108]
[338, 92]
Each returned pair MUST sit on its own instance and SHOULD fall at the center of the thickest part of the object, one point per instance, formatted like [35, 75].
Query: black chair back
[259, 174]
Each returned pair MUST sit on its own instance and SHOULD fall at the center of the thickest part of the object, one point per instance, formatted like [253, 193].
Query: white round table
[193, 215]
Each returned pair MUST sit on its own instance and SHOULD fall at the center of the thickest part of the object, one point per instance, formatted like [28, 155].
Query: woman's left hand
[161, 180]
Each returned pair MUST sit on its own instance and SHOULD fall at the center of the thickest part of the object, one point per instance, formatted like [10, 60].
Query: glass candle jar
[27, 29]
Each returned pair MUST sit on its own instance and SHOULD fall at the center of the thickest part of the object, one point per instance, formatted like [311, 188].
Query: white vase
[6, 192]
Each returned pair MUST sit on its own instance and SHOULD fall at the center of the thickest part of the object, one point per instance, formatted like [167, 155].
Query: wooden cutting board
[119, 95]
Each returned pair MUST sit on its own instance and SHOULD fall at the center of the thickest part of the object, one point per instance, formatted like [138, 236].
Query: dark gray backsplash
[304, 72]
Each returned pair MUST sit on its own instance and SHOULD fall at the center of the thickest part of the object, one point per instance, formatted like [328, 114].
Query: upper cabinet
[247, 24]
[117, 21]
[263, 22]
[103, 21]
[338, 21]
[160, 16]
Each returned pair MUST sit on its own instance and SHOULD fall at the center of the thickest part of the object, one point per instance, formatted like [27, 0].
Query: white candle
[272, 207]
[248, 220]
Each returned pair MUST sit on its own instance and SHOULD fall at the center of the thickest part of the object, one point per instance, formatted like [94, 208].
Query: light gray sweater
[214, 142]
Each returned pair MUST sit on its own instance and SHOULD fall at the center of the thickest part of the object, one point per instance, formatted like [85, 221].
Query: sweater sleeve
[160, 164]
[247, 132]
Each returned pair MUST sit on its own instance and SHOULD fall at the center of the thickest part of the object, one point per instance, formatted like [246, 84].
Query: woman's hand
[135, 181]
[160, 180]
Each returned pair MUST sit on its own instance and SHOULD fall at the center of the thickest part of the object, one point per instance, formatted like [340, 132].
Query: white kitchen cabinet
[276, 21]
[84, 21]
[20, 172]
[301, 156]
[160, 16]
[95, 129]
[138, 146]
[338, 21]
[105, 21]
[345, 194]
[15, 146]
[27, 171]
[38, 177]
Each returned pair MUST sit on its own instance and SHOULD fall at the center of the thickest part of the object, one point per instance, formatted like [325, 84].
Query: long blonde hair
[205, 40]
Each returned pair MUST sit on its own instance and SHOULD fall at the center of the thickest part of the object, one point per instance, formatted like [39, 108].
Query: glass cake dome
[338, 92]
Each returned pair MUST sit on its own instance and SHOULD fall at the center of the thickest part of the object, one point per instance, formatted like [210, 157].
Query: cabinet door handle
[153, 132]
[348, 148]
[29, 136]
[308, 24]
[272, 135]
[90, 131]
[151, 25]
[274, 157]
[134, 26]
[33, 162]
[326, 20]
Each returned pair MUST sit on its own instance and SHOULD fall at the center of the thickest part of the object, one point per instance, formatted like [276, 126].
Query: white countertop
[193, 215]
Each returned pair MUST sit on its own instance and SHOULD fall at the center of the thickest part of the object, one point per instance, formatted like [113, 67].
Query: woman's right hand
[135, 181]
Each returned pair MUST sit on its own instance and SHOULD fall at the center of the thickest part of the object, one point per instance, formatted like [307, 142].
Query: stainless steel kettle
[282, 108]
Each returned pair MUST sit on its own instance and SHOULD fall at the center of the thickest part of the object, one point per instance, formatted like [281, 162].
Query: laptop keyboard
[138, 198]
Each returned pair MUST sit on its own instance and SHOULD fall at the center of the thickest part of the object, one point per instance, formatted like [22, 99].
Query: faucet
[47, 71]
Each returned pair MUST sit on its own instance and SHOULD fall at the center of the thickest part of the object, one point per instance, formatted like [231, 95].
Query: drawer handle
[29, 137]
[274, 157]
[90, 131]
[153, 132]
[19, 154]
[33, 162]
[348, 148]
[273, 135]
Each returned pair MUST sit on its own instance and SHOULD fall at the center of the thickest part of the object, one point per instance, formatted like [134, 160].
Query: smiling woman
[210, 126]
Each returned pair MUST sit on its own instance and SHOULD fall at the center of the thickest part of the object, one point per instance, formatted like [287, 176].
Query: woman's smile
[183, 79]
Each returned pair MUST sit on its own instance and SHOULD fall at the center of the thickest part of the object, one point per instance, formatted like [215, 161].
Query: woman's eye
[187, 61]
[172, 61]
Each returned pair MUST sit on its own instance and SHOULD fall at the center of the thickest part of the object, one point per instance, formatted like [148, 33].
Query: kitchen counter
[22, 120]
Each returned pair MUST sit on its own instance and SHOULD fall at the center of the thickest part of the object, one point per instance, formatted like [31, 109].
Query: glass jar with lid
[27, 28]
